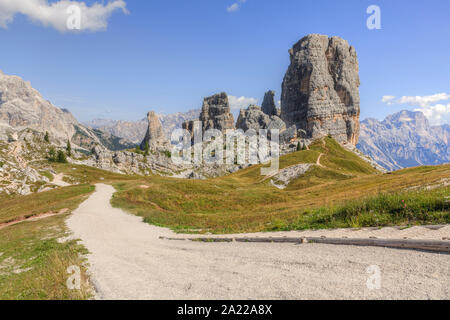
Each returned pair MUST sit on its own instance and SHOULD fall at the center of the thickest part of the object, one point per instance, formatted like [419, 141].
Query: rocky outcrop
[23, 107]
[20, 173]
[268, 106]
[254, 118]
[405, 139]
[155, 136]
[282, 179]
[320, 91]
[216, 113]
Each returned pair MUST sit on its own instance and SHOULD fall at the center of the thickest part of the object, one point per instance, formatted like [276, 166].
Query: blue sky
[166, 55]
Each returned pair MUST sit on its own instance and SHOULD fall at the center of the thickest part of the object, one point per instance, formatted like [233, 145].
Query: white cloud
[55, 15]
[387, 99]
[237, 103]
[436, 113]
[236, 6]
[423, 101]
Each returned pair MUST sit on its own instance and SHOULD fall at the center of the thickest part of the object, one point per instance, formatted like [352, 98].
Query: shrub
[61, 157]
[52, 155]
[138, 150]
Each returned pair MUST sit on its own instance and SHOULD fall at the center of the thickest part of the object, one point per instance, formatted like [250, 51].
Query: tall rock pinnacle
[268, 106]
[320, 92]
[155, 134]
[216, 113]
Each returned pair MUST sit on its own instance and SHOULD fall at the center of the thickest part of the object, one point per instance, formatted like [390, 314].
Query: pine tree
[46, 137]
[147, 148]
[298, 146]
[69, 149]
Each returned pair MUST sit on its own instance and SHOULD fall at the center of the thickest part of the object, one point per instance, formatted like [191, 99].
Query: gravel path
[58, 180]
[129, 261]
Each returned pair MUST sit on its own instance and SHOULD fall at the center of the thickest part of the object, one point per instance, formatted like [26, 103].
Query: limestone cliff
[320, 91]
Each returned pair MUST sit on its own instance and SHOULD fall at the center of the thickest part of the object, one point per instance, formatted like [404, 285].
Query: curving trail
[58, 180]
[318, 160]
[129, 261]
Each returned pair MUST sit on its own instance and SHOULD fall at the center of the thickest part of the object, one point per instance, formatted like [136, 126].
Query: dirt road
[129, 261]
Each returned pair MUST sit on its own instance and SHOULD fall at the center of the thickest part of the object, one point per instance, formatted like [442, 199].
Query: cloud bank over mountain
[437, 113]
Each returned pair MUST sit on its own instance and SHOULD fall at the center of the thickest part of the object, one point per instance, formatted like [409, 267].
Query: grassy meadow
[343, 191]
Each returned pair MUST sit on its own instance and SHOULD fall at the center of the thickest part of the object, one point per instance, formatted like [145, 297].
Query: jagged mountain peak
[404, 139]
[408, 118]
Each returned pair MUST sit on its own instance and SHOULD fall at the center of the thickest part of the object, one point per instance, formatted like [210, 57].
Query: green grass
[33, 264]
[47, 174]
[90, 175]
[385, 209]
[49, 201]
[339, 159]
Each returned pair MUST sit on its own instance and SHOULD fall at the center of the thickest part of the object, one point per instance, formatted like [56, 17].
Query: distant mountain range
[404, 139]
[134, 131]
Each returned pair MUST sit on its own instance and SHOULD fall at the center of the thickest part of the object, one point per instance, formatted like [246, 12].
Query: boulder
[288, 134]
